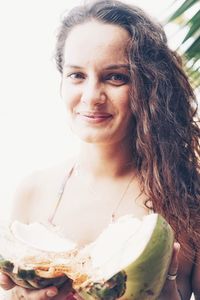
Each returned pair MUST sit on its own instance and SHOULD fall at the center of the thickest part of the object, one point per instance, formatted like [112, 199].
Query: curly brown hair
[166, 132]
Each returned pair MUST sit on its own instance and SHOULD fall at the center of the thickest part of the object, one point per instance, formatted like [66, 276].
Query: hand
[19, 293]
[170, 290]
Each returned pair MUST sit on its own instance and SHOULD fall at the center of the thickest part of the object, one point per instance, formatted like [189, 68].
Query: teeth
[95, 117]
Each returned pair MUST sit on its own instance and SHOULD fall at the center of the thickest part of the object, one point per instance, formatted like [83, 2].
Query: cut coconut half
[38, 236]
[129, 260]
[121, 244]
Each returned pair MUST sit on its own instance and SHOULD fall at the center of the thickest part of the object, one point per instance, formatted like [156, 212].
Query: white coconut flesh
[38, 236]
[120, 245]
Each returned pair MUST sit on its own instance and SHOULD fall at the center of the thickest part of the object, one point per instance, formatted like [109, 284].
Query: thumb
[51, 292]
[43, 294]
[5, 282]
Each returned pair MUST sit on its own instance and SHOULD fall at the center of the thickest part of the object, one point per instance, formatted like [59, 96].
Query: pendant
[113, 217]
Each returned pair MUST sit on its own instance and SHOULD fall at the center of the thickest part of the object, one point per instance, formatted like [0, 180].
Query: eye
[76, 76]
[118, 78]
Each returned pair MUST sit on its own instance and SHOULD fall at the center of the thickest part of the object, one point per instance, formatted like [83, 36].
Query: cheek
[70, 96]
[120, 93]
[122, 103]
[123, 107]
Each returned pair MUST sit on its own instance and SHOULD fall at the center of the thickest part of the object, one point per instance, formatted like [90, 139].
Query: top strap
[60, 194]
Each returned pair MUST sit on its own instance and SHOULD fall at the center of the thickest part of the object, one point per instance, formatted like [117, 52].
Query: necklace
[113, 215]
[74, 169]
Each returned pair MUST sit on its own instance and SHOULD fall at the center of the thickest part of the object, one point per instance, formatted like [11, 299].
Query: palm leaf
[185, 6]
[194, 24]
[193, 50]
[191, 54]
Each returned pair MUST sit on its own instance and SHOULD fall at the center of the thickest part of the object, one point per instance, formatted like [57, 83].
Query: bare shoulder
[22, 196]
[37, 189]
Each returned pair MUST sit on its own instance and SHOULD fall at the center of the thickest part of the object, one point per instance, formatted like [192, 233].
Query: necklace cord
[113, 216]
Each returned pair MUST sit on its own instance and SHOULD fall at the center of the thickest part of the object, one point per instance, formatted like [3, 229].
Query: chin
[92, 136]
[99, 136]
[93, 140]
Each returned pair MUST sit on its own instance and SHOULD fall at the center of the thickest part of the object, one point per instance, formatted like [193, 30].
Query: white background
[33, 129]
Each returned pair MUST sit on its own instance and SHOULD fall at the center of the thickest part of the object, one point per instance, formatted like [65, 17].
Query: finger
[71, 296]
[77, 297]
[51, 292]
[173, 268]
[43, 294]
[170, 285]
[5, 282]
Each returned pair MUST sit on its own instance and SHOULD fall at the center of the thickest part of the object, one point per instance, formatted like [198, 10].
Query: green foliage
[191, 52]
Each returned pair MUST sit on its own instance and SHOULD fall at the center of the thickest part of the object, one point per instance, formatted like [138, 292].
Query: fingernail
[51, 293]
[177, 245]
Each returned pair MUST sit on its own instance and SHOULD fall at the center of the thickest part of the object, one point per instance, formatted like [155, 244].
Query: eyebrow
[109, 67]
[118, 66]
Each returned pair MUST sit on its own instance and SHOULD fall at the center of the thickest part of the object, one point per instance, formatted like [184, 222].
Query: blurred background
[33, 127]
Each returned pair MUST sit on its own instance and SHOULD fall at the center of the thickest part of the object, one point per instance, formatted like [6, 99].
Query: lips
[94, 117]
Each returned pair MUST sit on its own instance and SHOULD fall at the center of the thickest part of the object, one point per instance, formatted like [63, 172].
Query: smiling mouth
[94, 117]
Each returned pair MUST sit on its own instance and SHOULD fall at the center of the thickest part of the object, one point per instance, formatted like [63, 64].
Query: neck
[106, 160]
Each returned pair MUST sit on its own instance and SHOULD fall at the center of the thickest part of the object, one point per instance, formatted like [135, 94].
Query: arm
[196, 277]
[181, 288]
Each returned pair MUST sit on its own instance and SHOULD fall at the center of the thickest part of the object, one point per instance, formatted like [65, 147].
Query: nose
[93, 93]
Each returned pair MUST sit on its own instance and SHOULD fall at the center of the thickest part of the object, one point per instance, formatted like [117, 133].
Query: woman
[130, 103]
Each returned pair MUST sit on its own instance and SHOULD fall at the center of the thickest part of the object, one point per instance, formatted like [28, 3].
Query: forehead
[96, 41]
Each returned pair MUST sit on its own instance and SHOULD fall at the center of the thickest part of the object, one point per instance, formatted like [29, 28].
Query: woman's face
[96, 82]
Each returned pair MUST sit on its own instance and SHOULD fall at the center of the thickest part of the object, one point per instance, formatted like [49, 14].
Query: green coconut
[129, 260]
[137, 269]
